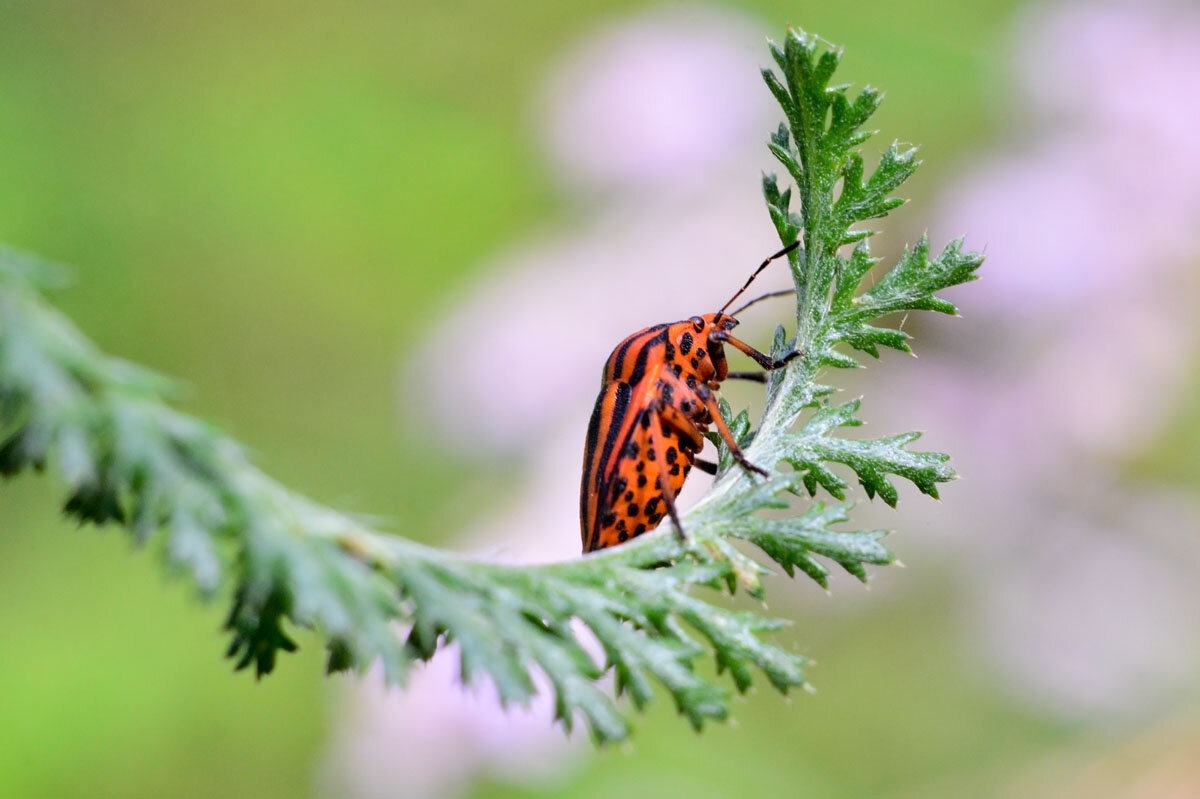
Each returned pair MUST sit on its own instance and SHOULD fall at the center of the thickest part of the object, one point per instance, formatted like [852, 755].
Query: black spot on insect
[646, 421]
[685, 343]
[632, 449]
[652, 505]
[622, 536]
[651, 454]
[621, 528]
[628, 496]
[633, 509]
[620, 485]
[695, 363]
[675, 470]
[700, 353]
[641, 528]
[691, 382]
[656, 518]
[697, 324]
[670, 351]
[640, 466]
[671, 454]
[608, 519]
[686, 406]
[668, 394]
[641, 480]
[677, 369]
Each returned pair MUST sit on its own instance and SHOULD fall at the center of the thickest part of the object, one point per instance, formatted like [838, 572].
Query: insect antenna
[767, 296]
[761, 267]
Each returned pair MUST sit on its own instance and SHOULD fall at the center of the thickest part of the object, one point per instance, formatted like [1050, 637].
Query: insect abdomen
[604, 431]
[632, 501]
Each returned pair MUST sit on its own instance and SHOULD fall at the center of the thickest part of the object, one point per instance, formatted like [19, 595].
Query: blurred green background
[266, 200]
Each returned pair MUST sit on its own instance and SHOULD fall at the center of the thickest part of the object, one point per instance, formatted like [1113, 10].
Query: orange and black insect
[656, 402]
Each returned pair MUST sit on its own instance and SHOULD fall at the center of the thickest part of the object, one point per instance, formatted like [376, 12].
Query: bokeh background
[346, 226]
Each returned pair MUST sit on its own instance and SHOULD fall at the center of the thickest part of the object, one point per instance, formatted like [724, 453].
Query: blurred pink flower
[1087, 330]
[1083, 222]
[1095, 621]
[664, 100]
[1116, 65]
[1103, 199]
[1081, 340]
[435, 737]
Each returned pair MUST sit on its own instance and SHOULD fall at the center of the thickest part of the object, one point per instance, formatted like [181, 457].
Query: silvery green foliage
[105, 428]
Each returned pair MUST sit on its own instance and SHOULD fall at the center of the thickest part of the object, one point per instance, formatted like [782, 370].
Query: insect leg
[705, 466]
[710, 402]
[755, 377]
[678, 420]
[761, 358]
[660, 454]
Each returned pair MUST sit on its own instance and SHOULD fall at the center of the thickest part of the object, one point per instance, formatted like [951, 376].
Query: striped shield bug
[657, 399]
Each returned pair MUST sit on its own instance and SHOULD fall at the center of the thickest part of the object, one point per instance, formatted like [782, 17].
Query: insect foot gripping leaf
[286, 564]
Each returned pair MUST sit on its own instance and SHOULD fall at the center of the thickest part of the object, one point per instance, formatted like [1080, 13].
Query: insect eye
[730, 323]
[697, 323]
